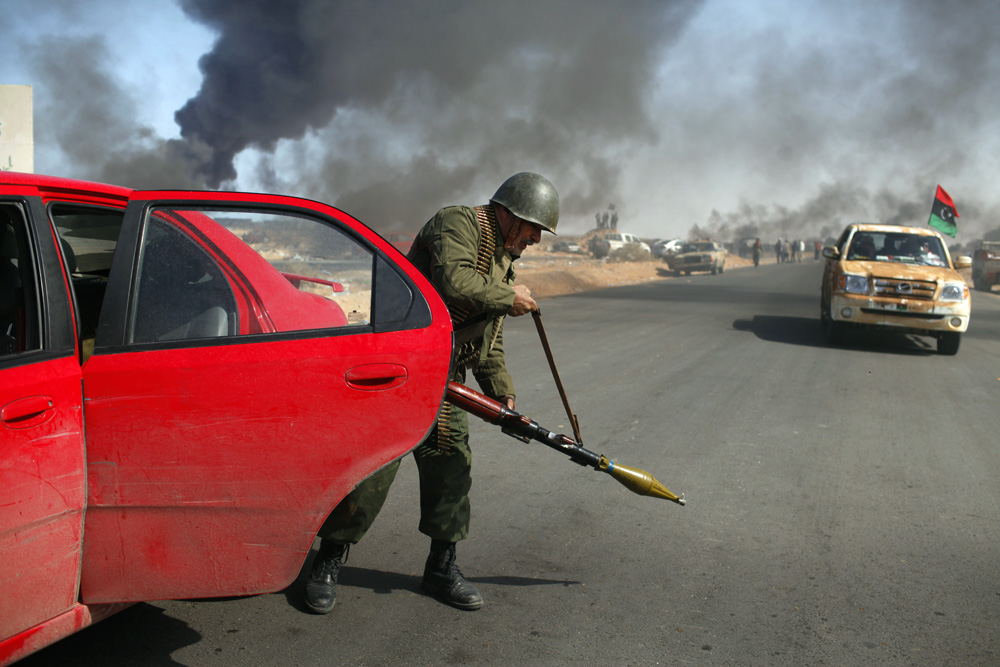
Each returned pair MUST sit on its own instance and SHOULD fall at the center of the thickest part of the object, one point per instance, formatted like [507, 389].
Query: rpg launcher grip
[521, 427]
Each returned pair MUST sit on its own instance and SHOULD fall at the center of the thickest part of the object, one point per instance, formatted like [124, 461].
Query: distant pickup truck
[986, 265]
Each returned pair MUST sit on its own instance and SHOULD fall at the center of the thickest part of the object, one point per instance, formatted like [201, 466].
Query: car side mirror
[831, 252]
[963, 262]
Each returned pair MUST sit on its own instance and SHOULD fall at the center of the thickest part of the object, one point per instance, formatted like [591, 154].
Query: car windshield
[697, 247]
[897, 247]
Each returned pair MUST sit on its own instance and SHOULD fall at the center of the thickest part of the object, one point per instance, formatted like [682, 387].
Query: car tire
[715, 270]
[947, 343]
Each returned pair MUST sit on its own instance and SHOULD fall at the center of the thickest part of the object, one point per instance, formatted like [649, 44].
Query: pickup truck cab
[189, 383]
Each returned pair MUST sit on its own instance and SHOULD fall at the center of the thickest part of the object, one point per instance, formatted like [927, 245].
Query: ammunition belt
[484, 262]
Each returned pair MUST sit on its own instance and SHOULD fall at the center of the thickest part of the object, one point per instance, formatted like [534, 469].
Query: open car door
[41, 436]
[256, 357]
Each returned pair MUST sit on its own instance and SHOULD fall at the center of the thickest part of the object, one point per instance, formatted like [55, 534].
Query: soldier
[467, 254]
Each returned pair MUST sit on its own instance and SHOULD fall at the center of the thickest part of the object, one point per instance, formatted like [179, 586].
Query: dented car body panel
[189, 383]
[894, 278]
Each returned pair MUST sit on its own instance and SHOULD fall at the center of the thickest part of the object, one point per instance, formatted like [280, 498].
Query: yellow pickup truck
[894, 278]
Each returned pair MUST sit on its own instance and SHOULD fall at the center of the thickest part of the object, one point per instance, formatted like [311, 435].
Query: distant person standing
[757, 249]
[819, 249]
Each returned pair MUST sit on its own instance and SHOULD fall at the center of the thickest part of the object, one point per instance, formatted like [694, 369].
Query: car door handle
[374, 377]
[27, 412]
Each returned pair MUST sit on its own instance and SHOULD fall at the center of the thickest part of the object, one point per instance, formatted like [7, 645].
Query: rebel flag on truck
[943, 213]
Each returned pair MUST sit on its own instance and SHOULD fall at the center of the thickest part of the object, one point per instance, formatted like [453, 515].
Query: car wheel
[722, 268]
[715, 270]
[947, 343]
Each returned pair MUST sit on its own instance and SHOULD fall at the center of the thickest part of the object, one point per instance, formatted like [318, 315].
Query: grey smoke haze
[443, 92]
[791, 119]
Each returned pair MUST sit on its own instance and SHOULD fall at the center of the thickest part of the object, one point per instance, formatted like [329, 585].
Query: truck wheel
[947, 343]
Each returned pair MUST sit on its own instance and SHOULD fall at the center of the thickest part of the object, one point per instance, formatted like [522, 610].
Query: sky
[722, 118]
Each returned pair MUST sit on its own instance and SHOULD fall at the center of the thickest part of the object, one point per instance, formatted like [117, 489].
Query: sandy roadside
[552, 274]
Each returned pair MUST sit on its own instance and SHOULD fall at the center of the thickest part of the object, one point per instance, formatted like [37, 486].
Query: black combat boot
[321, 589]
[443, 580]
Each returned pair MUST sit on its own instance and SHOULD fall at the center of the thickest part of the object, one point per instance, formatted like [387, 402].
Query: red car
[189, 383]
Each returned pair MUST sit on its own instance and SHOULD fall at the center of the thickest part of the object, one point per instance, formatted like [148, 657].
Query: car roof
[890, 229]
[48, 182]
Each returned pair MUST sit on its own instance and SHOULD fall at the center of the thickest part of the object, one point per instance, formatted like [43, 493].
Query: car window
[18, 293]
[88, 236]
[914, 249]
[182, 292]
[897, 247]
[862, 247]
[207, 273]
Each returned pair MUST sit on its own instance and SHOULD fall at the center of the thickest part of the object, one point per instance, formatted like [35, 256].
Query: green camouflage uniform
[447, 250]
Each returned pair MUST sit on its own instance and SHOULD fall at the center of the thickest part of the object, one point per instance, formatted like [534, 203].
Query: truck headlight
[854, 284]
[954, 292]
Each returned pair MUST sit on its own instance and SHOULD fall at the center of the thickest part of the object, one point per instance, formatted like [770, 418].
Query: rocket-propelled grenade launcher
[521, 427]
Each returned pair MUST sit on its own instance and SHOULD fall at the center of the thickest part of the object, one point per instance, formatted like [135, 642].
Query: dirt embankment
[552, 273]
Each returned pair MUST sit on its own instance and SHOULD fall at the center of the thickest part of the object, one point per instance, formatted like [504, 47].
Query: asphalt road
[843, 506]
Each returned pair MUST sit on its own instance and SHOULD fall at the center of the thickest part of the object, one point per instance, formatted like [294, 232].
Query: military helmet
[530, 197]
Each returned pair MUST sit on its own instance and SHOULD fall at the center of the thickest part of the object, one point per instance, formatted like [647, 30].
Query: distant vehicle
[701, 255]
[744, 247]
[986, 265]
[894, 278]
[665, 247]
[615, 241]
[566, 246]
